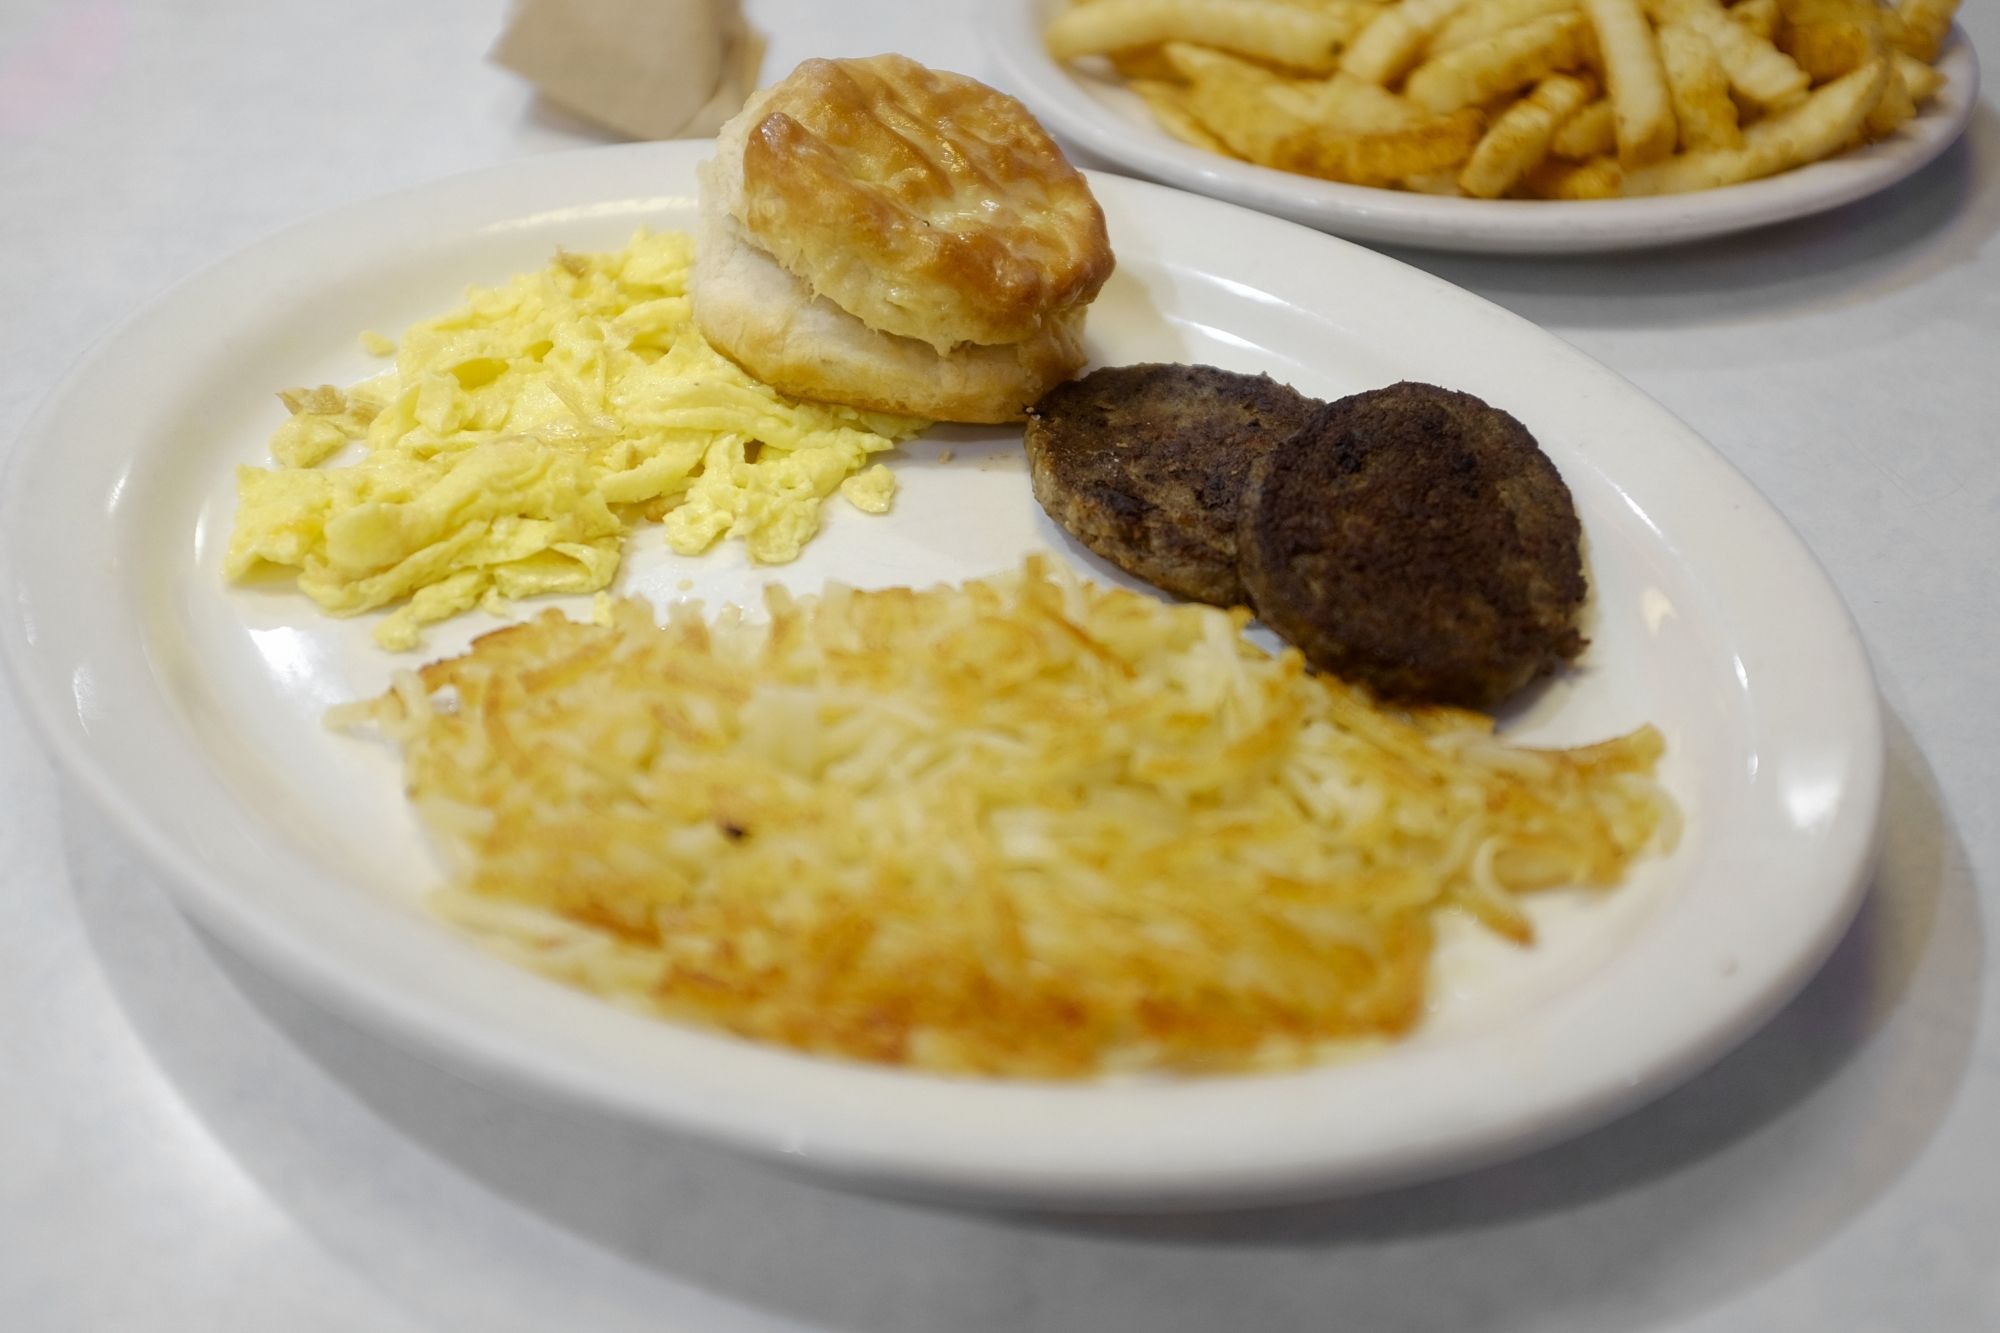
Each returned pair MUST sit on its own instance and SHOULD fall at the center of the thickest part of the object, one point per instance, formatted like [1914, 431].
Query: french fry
[1247, 108]
[1482, 18]
[1599, 178]
[1893, 108]
[1520, 137]
[1702, 106]
[1168, 103]
[1394, 38]
[1759, 16]
[1339, 101]
[1512, 59]
[1823, 123]
[1500, 98]
[1283, 34]
[1922, 81]
[1142, 62]
[1382, 157]
[1587, 134]
[1760, 73]
[1919, 27]
[1354, 104]
[1827, 38]
[1198, 63]
[1642, 110]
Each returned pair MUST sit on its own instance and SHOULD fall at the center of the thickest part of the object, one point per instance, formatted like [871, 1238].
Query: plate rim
[898, 1168]
[1010, 34]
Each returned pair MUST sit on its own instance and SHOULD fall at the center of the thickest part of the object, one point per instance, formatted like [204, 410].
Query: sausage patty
[1417, 540]
[1146, 465]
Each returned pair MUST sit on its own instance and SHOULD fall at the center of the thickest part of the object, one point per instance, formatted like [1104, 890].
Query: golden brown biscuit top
[923, 202]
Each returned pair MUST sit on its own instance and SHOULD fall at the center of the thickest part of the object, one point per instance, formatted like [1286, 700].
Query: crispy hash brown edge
[1023, 827]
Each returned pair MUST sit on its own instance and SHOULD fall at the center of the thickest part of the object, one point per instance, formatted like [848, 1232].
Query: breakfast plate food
[1093, 106]
[194, 710]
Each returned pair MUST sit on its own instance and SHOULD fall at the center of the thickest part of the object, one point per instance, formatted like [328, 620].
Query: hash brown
[1027, 826]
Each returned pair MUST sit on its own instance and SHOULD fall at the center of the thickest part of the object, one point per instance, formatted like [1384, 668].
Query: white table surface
[185, 1144]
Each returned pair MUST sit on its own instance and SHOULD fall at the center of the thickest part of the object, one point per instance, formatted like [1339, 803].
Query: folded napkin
[653, 69]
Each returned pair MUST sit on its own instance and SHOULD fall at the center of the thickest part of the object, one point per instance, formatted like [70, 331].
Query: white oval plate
[1096, 113]
[190, 711]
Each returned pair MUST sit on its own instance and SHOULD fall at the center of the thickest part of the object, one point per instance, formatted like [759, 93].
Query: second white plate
[1100, 115]
[191, 710]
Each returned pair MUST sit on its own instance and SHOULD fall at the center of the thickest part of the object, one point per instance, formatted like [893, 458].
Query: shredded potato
[1027, 826]
[519, 436]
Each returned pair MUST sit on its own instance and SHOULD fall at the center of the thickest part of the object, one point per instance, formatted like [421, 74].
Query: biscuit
[770, 323]
[924, 202]
[896, 238]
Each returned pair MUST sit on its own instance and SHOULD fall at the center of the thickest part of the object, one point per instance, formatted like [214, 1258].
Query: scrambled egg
[519, 436]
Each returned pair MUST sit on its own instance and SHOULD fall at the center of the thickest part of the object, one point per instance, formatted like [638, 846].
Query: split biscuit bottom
[770, 323]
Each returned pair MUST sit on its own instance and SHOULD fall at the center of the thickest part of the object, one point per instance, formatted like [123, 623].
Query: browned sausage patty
[1146, 464]
[1417, 540]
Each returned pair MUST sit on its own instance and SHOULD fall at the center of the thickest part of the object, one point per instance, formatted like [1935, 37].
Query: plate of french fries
[1525, 126]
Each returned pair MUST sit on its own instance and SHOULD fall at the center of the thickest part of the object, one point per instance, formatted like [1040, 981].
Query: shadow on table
[1748, 1168]
[1938, 219]
[542, 114]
